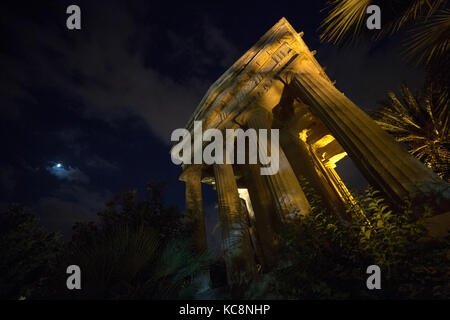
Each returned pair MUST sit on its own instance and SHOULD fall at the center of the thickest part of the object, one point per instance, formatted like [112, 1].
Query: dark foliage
[27, 253]
[139, 250]
[325, 257]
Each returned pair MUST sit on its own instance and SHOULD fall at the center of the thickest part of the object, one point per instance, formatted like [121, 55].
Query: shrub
[139, 250]
[27, 252]
[325, 257]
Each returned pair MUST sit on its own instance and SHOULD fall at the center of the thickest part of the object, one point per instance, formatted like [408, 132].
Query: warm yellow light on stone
[303, 135]
[322, 142]
[278, 84]
[337, 157]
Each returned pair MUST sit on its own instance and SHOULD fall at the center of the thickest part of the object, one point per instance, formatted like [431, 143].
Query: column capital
[300, 62]
[191, 171]
[256, 117]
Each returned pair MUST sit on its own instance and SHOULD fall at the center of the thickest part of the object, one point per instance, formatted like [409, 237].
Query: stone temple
[279, 84]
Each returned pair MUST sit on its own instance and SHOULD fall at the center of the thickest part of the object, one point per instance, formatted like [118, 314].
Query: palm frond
[430, 39]
[420, 122]
[133, 262]
[404, 12]
[344, 17]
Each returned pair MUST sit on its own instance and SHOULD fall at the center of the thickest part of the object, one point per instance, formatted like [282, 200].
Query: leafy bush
[139, 250]
[325, 257]
[27, 252]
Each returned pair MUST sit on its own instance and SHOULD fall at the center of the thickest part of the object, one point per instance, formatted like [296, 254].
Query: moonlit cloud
[68, 173]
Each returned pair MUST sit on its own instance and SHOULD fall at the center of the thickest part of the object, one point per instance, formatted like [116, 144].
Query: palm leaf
[422, 123]
[430, 39]
[344, 17]
[346, 21]
[404, 12]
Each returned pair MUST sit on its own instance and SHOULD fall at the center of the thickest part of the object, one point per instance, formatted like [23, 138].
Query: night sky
[102, 101]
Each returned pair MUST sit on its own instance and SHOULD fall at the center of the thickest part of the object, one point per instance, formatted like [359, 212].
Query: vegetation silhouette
[326, 257]
[138, 250]
[421, 121]
[27, 254]
[424, 24]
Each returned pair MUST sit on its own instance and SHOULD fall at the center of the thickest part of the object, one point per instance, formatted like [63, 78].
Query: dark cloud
[70, 135]
[98, 162]
[110, 79]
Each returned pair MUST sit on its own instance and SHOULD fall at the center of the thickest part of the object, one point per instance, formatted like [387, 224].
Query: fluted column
[381, 160]
[238, 253]
[303, 164]
[267, 221]
[288, 196]
[194, 207]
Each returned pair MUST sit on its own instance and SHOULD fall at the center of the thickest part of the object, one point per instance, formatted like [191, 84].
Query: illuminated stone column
[290, 201]
[238, 253]
[267, 221]
[303, 164]
[382, 161]
[194, 206]
[195, 218]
